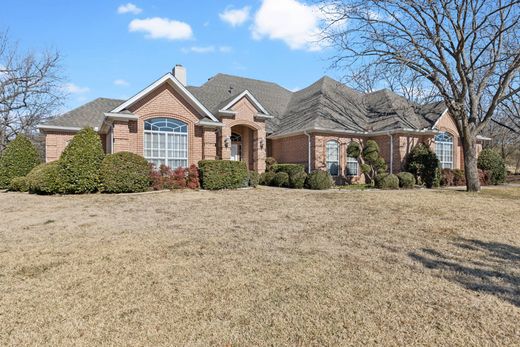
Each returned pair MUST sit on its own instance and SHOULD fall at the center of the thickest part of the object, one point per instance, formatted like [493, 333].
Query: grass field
[261, 267]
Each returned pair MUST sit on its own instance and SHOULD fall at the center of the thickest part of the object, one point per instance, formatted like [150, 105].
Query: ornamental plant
[80, 163]
[124, 172]
[18, 159]
[373, 163]
[490, 160]
[422, 162]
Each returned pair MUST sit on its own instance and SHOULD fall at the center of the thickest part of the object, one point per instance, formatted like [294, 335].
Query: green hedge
[406, 180]
[18, 159]
[319, 180]
[254, 179]
[45, 179]
[222, 174]
[266, 178]
[124, 172]
[80, 162]
[280, 179]
[19, 184]
[386, 181]
[422, 162]
[296, 174]
[490, 160]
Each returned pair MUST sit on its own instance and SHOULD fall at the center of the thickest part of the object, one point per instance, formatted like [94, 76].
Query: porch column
[258, 152]
[225, 151]
[209, 144]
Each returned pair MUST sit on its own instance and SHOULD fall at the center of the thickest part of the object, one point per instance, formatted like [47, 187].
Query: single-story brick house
[237, 118]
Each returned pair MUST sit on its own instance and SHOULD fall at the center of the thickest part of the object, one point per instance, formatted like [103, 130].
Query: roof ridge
[250, 79]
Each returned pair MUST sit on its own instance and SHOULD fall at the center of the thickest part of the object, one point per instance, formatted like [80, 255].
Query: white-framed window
[332, 157]
[166, 142]
[444, 149]
[352, 166]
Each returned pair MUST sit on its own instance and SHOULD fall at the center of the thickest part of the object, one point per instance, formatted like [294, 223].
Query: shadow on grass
[485, 267]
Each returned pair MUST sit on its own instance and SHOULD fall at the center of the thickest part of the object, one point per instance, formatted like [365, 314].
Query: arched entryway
[243, 144]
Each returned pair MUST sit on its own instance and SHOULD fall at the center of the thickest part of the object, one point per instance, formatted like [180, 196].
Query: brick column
[225, 151]
[121, 136]
[259, 153]
[209, 144]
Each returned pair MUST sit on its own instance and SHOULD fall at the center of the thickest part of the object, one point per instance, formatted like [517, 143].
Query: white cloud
[295, 23]
[161, 28]
[235, 17]
[75, 89]
[129, 8]
[121, 83]
[206, 49]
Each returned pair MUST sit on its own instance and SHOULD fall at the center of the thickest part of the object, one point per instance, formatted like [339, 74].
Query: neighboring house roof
[324, 105]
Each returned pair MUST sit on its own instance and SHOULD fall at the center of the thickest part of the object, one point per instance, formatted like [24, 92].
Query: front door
[235, 151]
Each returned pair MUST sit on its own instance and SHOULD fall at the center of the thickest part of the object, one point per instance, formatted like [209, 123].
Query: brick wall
[56, 141]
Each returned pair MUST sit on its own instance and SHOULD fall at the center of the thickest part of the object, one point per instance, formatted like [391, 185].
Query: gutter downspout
[308, 151]
[391, 153]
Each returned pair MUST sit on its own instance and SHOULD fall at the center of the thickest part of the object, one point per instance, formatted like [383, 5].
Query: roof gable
[168, 78]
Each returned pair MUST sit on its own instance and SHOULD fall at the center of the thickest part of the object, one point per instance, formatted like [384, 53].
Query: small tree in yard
[467, 52]
[18, 159]
[373, 163]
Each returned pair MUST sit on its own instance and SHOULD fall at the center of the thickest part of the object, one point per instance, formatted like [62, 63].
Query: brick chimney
[179, 72]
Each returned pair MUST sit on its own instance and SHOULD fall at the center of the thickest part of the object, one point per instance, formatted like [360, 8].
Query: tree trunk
[470, 164]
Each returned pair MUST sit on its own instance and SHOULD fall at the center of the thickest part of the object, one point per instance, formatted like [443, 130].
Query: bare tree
[30, 89]
[468, 50]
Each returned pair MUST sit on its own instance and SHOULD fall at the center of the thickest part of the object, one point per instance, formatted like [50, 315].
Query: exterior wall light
[227, 141]
[262, 143]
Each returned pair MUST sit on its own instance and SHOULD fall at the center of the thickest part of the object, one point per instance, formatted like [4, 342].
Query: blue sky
[115, 48]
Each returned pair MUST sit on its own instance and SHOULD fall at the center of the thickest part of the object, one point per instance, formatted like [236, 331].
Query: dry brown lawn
[261, 267]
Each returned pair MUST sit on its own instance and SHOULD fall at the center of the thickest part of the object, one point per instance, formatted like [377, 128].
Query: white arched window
[166, 142]
[332, 157]
[444, 149]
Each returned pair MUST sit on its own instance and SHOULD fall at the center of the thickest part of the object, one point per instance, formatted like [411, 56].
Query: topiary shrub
[386, 181]
[447, 177]
[254, 179]
[19, 184]
[280, 179]
[222, 174]
[374, 164]
[266, 178]
[18, 159]
[294, 171]
[124, 172]
[459, 178]
[269, 163]
[45, 179]
[422, 162]
[490, 160]
[80, 162]
[406, 180]
[319, 180]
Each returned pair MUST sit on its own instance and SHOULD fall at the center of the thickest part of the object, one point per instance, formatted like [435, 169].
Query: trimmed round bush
[19, 184]
[386, 181]
[266, 178]
[254, 179]
[280, 179]
[319, 180]
[406, 180]
[18, 159]
[80, 162]
[223, 174]
[124, 172]
[45, 179]
[490, 160]
[294, 171]
[297, 180]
